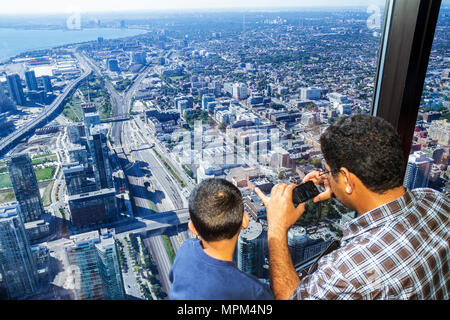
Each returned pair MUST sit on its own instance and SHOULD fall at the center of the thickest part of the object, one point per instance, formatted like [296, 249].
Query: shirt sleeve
[326, 283]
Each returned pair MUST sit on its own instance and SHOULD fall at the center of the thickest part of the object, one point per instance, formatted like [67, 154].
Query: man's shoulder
[428, 194]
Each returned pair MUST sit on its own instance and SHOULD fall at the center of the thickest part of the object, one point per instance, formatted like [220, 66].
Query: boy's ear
[245, 220]
[192, 228]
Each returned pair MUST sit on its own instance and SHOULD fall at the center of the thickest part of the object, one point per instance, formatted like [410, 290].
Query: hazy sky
[67, 6]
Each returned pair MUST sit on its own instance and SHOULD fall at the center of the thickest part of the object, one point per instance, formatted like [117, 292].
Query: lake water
[16, 41]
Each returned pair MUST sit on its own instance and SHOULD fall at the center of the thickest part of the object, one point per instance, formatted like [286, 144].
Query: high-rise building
[93, 259]
[25, 186]
[297, 242]
[78, 154]
[250, 249]
[100, 158]
[91, 119]
[47, 84]
[75, 177]
[17, 266]
[75, 132]
[30, 79]
[92, 208]
[138, 57]
[15, 89]
[183, 103]
[205, 99]
[113, 65]
[417, 171]
[310, 93]
[240, 91]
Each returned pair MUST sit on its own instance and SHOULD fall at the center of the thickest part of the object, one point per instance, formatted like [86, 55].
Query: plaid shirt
[399, 250]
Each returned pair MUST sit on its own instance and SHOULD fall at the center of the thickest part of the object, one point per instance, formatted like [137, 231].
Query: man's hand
[319, 179]
[281, 212]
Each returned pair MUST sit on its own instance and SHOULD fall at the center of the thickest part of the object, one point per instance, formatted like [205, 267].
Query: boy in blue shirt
[204, 269]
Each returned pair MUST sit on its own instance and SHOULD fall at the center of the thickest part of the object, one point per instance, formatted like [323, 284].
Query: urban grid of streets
[129, 143]
[334, 52]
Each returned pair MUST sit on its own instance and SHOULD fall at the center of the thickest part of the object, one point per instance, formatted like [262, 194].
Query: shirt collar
[377, 216]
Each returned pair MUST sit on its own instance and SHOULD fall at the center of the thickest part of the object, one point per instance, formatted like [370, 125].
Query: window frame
[407, 40]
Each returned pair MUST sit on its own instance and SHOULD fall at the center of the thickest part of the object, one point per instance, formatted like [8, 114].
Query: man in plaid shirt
[397, 247]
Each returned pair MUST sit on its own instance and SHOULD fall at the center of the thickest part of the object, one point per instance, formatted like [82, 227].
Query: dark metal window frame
[403, 61]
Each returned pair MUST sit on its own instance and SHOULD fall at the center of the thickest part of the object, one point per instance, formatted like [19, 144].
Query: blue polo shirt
[197, 276]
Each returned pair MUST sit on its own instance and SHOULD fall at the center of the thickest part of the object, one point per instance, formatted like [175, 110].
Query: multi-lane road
[48, 111]
[141, 165]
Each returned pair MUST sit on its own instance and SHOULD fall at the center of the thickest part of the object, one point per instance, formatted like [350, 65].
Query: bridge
[120, 117]
[152, 222]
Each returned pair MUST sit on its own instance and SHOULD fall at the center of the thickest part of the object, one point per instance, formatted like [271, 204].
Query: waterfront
[16, 41]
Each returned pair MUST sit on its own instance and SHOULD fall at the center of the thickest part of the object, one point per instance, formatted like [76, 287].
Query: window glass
[428, 161]
[126, 112]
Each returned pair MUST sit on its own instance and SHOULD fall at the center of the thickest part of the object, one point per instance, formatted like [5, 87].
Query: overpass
[152, 222]
[33, 124]
[120, 117]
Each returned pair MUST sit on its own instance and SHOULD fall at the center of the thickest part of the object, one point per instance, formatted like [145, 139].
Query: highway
[48, 110]
[137, 163]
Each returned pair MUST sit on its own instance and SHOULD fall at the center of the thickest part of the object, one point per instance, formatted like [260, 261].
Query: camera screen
[304, 192]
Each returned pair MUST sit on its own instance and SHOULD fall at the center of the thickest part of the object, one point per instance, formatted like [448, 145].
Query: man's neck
[374, 200]
[221, 250]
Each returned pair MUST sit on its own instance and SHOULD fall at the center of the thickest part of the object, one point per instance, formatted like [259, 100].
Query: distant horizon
[25, 7]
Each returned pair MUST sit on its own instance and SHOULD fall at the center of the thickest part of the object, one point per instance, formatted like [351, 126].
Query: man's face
[338, 186]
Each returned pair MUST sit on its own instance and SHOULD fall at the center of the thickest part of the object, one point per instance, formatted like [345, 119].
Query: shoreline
[9, 59]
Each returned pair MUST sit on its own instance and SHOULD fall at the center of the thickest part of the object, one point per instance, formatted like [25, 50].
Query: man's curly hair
[367, 146]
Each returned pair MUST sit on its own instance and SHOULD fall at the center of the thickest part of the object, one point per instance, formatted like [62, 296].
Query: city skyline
[52, 6]
[117, 133]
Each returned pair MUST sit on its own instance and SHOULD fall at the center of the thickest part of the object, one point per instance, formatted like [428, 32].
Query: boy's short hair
[216, 209]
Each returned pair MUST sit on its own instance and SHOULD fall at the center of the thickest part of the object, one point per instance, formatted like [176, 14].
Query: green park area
[41, 174]
[92, 89]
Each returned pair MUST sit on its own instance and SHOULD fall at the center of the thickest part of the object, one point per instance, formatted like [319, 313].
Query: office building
[91, 119]
[310, 93]
[250, 249]
[417, 171]
[93, 257]
[25, 186]
[205, 99]
[75, 177]
[100, 159]
[92, 208]
[184, 103]
[79, 155]
[15, 89]
[6, 104]
[297, 242]
[17, 266]
[37, 96]
[75, 132]
[138, 57]
[30, 80]
[47, 84]
[240, 91]
[113, 65]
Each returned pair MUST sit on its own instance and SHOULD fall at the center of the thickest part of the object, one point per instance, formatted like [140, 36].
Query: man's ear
[245, 221]
[192, 228]
[348, 180]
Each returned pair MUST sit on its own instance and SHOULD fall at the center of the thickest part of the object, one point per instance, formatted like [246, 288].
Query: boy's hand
[281, 212]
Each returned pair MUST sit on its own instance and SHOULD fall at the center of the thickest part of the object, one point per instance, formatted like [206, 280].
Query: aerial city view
[109, 120]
